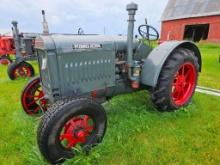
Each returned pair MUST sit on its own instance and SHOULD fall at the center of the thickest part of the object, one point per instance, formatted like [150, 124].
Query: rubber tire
[54, 119]
[7, 58]
[33, 80]
[14, 65]
[161, 94]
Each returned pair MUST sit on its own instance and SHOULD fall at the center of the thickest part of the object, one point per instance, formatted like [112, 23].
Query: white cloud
[55, 20]
[67, 15]
[70, 17]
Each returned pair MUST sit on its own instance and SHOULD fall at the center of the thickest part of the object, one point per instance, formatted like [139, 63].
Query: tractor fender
[156, 59]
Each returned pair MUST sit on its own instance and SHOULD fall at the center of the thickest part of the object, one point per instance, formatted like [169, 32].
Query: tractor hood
[71, 43]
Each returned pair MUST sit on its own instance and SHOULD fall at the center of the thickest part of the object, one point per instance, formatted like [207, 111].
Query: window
[196, 32]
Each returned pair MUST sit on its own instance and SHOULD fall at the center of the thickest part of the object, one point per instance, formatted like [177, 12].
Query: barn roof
[178, 9]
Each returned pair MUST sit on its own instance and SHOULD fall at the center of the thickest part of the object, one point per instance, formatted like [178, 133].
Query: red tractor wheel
[5, 60]
[184, 83]
[177, 81]
[32, 97]
[22, 69]
[68, 124]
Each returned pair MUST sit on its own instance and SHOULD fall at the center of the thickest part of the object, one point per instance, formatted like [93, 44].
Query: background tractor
[6, 48]
[21, 48]
[23, 52]
[80, 72]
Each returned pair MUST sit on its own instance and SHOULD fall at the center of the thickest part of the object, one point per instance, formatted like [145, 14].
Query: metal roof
[178, 9]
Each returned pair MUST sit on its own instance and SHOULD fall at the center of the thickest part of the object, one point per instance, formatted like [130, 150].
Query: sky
[66, 16]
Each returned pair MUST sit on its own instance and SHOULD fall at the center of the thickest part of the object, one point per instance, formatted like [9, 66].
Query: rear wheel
[5, 60]
[67, 124]
[32, 97]
[22, 69]
[177, 81]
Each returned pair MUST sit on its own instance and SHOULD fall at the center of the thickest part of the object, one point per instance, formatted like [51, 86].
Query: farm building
[192, 20]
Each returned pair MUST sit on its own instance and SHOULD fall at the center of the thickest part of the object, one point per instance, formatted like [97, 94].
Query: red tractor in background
[6, 48]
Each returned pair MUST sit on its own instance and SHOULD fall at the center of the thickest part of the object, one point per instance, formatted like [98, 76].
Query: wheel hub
[184, 84]
[76, 131]
[80, 134]
[181, 82]
[22, 71]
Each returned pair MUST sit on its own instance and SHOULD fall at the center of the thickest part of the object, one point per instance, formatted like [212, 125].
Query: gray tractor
[80, 72]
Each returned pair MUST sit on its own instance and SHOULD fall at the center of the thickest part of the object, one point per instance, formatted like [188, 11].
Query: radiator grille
[86, 71]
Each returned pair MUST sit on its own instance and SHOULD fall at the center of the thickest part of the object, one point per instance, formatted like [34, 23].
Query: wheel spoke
[177, 76]
[36, 98]
[37, 109]
[71, 141]
[180, 93]
[183, 70]
[16, 73]
[143, 32]
[187, 75]
[66, 127]
[39, 95]
[38, 90]
[89, 129]
[68, 137]
[21, 70]
[71, 144]
[86, 120]
[153, 35]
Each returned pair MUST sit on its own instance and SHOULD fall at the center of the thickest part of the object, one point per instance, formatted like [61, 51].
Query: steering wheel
[148, 32]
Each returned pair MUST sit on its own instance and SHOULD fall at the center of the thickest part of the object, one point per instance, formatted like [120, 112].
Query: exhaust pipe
[133, 66]
[16, 38]
[45, 24]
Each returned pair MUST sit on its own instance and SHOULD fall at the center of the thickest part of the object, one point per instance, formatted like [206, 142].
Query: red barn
[191, 20]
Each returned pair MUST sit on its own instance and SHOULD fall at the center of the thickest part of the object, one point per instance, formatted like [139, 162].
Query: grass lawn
[210, 76]
[136, 133]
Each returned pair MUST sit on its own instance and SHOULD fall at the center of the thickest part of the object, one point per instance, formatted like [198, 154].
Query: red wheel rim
[33, 98]
[22, 71]
[76, 131]
[184, 83]
[5, 61]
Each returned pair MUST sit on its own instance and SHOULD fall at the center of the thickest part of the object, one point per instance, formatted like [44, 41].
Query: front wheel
[177, 81]
[67, 124]
[32, 97]
[22, 69]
